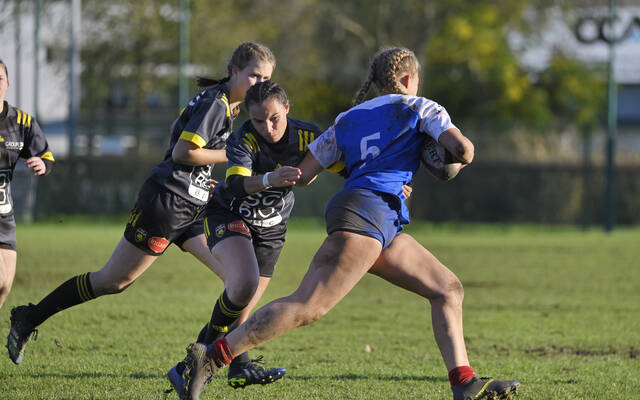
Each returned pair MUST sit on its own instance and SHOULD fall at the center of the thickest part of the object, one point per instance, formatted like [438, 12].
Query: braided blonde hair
[387, 67]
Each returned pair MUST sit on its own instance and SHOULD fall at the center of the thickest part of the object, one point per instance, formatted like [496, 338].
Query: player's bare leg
[337, 267]
[126, 264]
[235, 262]
[239, 268]
[198, 247]
[407, 264]
[263, 282]
[8, 259]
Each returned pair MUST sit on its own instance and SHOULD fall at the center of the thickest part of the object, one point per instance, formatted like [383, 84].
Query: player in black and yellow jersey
[246, 221]
[171, 202]
[20, 137]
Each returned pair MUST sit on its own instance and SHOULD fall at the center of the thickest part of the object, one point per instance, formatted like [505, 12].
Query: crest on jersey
[220, 230]
[141, 235]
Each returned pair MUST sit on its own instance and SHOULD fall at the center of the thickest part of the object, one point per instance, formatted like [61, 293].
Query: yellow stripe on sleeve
[48, 156]
[19, 116]
[28, 120]
[237, 170]
[193, 138]
[226, 103]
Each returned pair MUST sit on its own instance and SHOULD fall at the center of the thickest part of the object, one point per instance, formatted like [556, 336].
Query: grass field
[556, 308]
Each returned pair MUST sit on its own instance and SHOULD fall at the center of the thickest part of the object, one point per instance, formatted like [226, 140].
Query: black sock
[75, 291]
[240, 360]
[202, 336]
[224, 314]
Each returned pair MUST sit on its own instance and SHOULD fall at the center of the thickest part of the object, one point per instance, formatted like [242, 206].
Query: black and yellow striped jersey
[249, 154]
[20, 137]
[207, 122]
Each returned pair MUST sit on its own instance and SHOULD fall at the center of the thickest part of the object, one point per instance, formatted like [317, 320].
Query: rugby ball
[438, 160]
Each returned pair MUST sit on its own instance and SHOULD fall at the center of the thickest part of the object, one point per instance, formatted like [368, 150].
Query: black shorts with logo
[160, 217]
[221, 223]
[8, 233]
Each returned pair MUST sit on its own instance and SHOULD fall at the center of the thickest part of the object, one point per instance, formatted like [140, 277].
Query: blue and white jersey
[380, 141]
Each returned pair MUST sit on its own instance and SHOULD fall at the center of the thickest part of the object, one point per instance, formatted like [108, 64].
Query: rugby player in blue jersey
[171, 203]
[380, 143]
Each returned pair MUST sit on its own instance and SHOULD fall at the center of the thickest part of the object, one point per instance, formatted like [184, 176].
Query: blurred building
[584, 34]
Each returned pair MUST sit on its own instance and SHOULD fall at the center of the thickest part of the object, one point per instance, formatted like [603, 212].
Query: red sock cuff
[220, 352]
[460, 375]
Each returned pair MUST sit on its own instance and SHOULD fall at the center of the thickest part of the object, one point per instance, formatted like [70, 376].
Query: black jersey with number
[249, 154]
[20, 137]
[207, 122]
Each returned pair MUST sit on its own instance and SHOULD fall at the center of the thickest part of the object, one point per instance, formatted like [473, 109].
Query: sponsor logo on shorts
[141, 235]
[220, 230]
[238, 226]
[158, 244]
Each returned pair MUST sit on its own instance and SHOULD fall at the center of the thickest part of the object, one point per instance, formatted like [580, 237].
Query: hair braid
[364, 88]
[387, 67]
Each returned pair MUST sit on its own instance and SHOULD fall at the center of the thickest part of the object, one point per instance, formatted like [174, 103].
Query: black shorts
[8, 233]
[221, 223]
[161, 217]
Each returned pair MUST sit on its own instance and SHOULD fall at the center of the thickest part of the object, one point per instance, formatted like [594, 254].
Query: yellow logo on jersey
[1, 139]
[251, 141]
[304, 138]
[23, 118]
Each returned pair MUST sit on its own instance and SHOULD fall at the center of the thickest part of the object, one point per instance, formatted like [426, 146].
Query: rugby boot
[20, 333]
[199, 371]
[485, 388]
[250, 373]
[176, 377]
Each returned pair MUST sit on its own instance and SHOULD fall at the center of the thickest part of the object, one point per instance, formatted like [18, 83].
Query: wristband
[265, 180]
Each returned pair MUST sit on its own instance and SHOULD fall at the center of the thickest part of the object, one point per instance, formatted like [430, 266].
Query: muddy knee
[310, 315]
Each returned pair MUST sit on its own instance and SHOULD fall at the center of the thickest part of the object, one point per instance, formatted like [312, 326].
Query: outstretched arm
[310, 168]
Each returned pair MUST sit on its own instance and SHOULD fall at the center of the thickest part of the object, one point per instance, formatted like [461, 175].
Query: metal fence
[484, 192]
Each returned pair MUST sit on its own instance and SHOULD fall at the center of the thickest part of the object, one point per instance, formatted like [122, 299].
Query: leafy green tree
[323, 47]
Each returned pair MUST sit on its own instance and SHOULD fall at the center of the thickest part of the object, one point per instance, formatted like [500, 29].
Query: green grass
[556, 308]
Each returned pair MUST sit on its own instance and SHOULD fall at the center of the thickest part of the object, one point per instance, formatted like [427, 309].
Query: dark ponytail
[203, 81]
